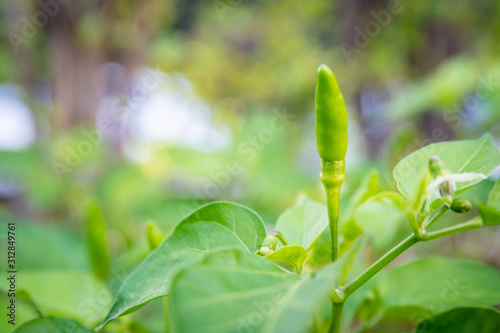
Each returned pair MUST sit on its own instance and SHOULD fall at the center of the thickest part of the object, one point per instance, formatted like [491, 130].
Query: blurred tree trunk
[118, 31]
[74, 67]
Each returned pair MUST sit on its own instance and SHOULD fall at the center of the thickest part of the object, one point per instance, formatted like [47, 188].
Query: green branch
[405, 245]
[470, 225]
[336, 317]
[379, 264]
[441, 212]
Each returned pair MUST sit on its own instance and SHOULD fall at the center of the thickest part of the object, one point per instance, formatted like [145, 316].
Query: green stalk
[405, 245]
[379, 264]
[336, 317]
[470, 225]
[441, 212]
[332, 176]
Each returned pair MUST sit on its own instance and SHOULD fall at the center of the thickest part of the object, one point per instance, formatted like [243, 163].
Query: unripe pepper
[331, 137]
[331, 117]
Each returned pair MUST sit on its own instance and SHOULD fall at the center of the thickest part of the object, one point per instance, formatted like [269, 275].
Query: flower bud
[264, 251]
[270, 241]
[461, 206]
[436, 166]
[268, 245]
[447, 191]
[446, 187]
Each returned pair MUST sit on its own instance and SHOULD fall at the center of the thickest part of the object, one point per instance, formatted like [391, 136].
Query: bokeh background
[149, 109]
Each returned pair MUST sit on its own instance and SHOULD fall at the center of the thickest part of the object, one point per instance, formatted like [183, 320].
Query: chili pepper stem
[336, 317]
[332, 176]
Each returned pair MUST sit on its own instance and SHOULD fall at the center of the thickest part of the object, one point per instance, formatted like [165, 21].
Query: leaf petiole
[441, 212]
[470, 225]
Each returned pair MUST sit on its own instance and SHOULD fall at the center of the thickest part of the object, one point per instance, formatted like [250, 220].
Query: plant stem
[472, 224]
[437, 216]
[336, 317]
[379, 264]
[332, 176]
[405, 245]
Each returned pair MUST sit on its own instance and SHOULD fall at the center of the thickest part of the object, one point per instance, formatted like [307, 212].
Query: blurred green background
[148, 109]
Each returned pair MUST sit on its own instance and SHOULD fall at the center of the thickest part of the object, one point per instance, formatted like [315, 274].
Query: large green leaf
[233, 291]
[479, 156]
[368, 187]
[491, 212]
[212, 227]
[296, 311]
[381, 217]
[303, 224]
[463, 320]
[294, 255]
[49, 247]
[228, 291]
[25, 311]
[70, 294]
[52, 325]
[426, 287]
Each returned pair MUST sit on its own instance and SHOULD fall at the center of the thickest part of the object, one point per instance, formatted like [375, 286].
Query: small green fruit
[461, 206]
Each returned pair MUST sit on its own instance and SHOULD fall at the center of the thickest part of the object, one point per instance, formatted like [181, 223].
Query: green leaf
[494, 198]
[77, 295]
[304, 223]
[49, 247]
[381, 217]
[490, 213]
[295, 312]
[227, 291]
[479, 156]
[369, 187]
[463, 320]
[232, 291]
[295, 255]
[426, 287]
[212, 227]
[25, 311]
[52, 325]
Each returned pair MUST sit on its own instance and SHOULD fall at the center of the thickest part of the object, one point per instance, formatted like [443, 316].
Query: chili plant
[221, 271]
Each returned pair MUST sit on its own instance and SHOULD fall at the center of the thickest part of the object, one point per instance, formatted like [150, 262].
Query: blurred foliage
[430, 73]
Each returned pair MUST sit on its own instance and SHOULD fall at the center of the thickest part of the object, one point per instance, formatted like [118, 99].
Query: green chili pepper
[331, 117]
